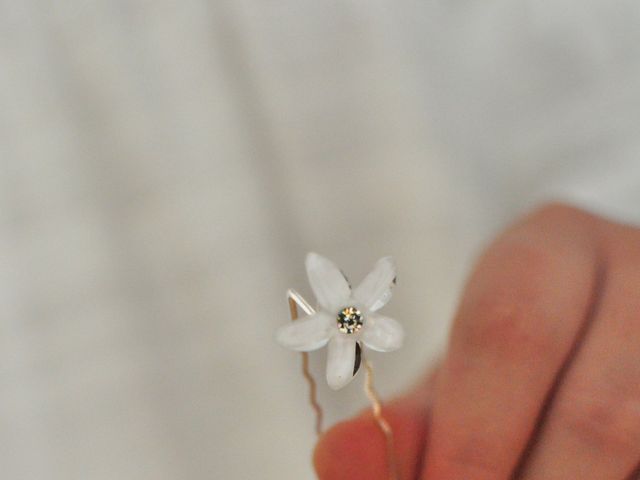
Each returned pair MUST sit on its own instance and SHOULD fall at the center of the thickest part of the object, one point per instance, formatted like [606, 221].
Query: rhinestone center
[350, 320]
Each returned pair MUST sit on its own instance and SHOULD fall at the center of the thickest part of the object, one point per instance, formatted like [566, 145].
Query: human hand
[541, 378]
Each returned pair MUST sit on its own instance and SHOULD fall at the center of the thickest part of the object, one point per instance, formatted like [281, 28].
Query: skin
[541, 378]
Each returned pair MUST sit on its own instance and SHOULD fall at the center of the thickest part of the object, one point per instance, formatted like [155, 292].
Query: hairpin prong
[296, 300]
[300, 302]
[383, 425]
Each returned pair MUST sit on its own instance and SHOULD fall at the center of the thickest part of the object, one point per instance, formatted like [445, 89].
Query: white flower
[345, 319]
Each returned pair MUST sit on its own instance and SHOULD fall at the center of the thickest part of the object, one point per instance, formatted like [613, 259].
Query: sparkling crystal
[350, 320]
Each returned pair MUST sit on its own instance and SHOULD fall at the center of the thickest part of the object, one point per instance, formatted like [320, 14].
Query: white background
[165, 166]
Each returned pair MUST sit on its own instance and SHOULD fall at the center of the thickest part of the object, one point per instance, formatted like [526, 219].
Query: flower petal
[306, 334]
[341, 357]
[375, 290]
[383, 334]
[327, 282]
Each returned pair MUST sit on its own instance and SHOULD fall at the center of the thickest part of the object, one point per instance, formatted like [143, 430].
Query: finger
[592, 430]
[520, 315]
[357, 449]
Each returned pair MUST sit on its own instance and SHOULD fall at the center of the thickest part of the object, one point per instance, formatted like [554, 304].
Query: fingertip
[349, 450]
[356, 449]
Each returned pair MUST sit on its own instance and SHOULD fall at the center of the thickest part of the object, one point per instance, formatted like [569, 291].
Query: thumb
[356, 449]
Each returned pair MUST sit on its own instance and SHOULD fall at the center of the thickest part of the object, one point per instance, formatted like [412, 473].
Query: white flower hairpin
[346, 320]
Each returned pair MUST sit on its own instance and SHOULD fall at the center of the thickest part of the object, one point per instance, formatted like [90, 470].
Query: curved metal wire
[383, 425]
[296, 300]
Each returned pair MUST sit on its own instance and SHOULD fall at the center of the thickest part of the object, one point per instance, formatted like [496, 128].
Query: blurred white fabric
[165, 167]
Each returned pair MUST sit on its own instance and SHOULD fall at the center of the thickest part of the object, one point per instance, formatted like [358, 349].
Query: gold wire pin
[297, 301]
